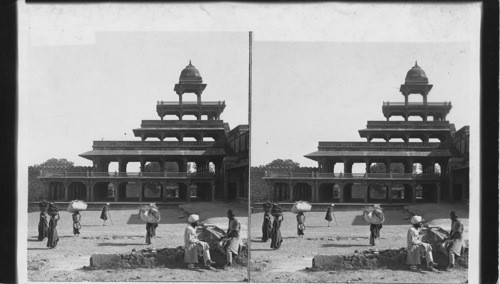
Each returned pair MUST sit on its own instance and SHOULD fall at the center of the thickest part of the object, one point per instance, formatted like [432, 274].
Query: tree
[57, 163]
[283, 164]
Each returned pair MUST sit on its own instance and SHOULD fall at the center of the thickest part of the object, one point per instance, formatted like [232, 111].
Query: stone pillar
[225, 181]
[438, 192]
[387, 163]
[163, 190]
[367, 191]
[212, 191]
[115, 189]
[348, 166]
[91, 198]
[143, 163]
[198, 96]
[368, 163]
[188, 192]
[290, 188]
[162, 164]
[66, 189]
[341, 192]
[413, 193]
[122, 165]
[388, 194]
[88, 188]
[141, 191]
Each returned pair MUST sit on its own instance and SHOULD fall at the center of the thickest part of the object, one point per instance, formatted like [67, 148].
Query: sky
[320, 71]
[77, 94]
[305, 92]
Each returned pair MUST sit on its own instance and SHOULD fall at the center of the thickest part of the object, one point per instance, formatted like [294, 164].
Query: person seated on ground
[231, 240]
[416, 246]
[151, 227]
[105, 213]
[192, 245]
[452, 246]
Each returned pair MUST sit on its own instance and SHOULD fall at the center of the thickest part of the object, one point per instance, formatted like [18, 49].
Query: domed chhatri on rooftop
[416, 76]
[190, 75]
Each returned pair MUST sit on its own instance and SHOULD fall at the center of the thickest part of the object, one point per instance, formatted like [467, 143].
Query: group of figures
[230, 242]
[452, 245]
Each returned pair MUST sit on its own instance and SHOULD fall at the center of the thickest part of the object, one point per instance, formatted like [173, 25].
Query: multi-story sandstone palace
[213, 165]
[432, 143]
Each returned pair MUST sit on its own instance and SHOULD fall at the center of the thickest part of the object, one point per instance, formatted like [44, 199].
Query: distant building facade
[218, 157]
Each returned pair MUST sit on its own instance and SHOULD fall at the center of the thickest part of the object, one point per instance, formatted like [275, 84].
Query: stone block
[104, 261]
[327, 261]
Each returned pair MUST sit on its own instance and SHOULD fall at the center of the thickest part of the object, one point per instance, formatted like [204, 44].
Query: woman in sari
[328, 216]
[276, 238]
[76, 223]
[105, 213]
[43, 224]
[267, 225]
[53, 237]
[301, 226]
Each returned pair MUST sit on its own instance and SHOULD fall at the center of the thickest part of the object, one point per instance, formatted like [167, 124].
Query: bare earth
[290, 262]
[68, 261]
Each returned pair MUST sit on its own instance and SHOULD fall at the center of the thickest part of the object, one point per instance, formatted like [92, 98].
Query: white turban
[193, 218]
[416, 219]
[332, 205]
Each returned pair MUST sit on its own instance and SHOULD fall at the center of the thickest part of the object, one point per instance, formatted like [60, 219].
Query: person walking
[374, 232]
[151, 227]
[232, 238]
[301, 226]
[192, 245]
[267, 225]
[276, 238]
[454, 243]
[328, 216]
[53, 237]
[43, 224]
[415, 246]
[76, 223]
[105, 213]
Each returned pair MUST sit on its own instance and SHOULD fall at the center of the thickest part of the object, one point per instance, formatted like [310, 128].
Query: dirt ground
[69, 260]
[292, 262]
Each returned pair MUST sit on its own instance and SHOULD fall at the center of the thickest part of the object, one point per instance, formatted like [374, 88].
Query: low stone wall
[371, 259]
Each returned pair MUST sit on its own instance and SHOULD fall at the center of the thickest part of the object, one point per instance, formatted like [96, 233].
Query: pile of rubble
[168, 257]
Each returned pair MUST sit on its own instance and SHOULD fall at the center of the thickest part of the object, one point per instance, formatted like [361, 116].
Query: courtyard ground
[69, 260]
[292, 262]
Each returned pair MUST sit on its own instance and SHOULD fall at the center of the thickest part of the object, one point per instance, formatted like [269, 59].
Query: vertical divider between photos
[249, 226]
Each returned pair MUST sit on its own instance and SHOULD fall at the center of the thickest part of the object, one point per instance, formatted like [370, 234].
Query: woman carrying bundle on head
[105, 213]
[43, 224]
[76, 223]
[375, 217]
[328, 216]
[151, 222]
[276, 238]
[267, 225]
[53, 237]
[301, 225]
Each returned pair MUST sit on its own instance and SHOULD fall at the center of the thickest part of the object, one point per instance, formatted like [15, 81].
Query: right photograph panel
[360, 161]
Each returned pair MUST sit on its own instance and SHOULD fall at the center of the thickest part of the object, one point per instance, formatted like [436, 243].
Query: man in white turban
[192, 245]
[416, 246]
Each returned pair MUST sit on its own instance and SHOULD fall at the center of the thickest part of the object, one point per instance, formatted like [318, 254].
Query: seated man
[416, 246]
[192, 245]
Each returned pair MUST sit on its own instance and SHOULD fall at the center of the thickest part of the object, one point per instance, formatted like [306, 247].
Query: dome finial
[190, 63]
[416, 65]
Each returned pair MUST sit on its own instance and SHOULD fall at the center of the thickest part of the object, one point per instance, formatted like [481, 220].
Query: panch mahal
[196, 160]
[427, 144]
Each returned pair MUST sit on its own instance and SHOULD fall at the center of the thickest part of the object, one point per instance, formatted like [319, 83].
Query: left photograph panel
[136, 146]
